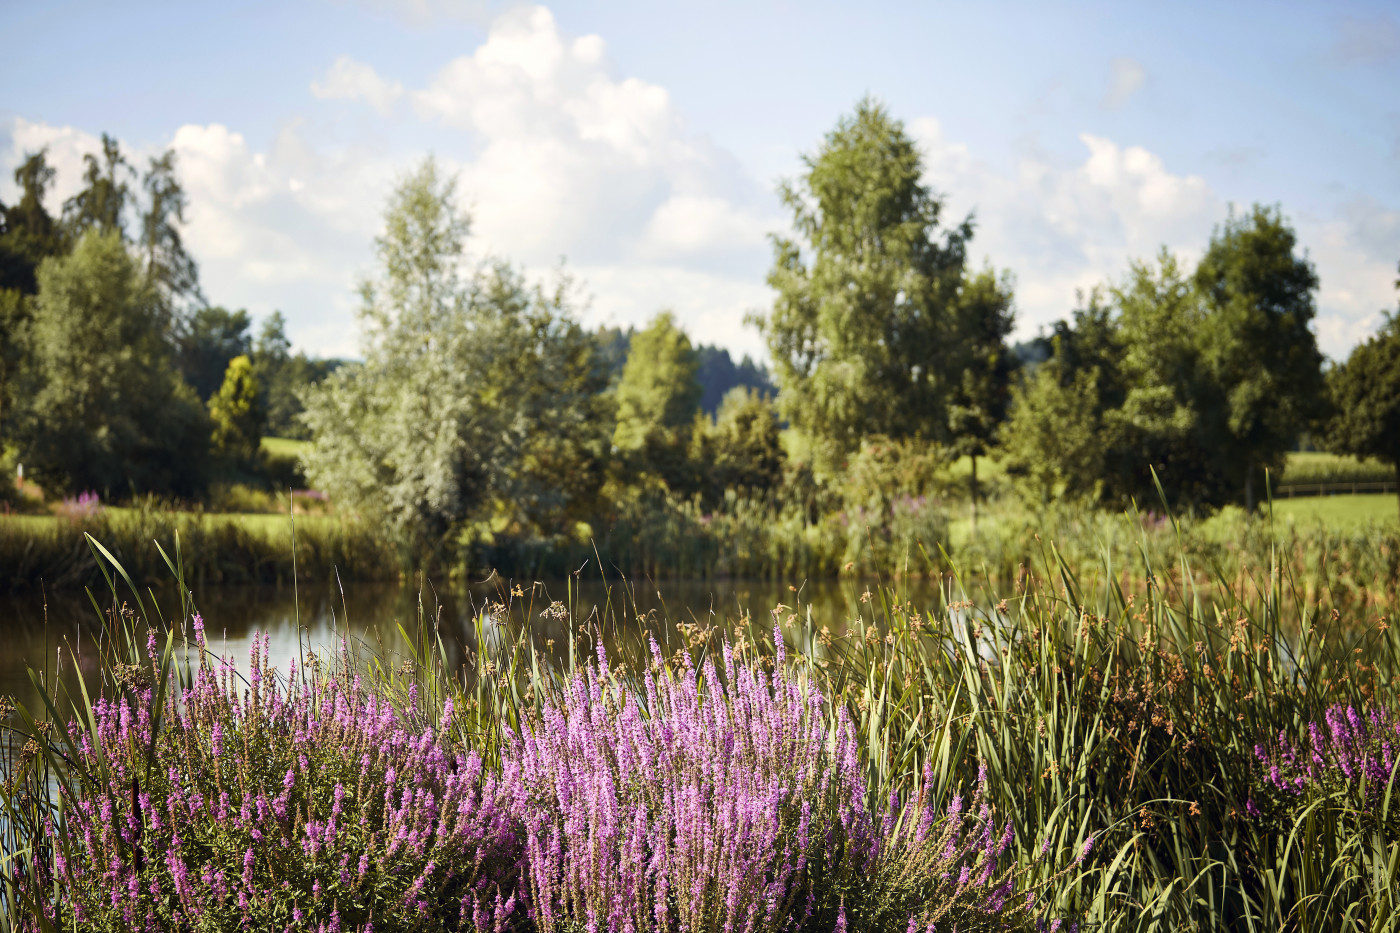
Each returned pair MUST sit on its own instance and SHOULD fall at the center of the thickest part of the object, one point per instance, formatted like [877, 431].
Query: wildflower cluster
[718, 798]
[733, 800]
[1347, 750]
[306, 804]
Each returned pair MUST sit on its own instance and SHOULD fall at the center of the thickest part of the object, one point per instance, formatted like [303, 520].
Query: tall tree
[1365, 392]
[863, 333]
[168, 265]
[28, 233]
[111, 412]
[102, 202]
[978, 402]
[1257, 343]
[657, 400]
[1159, 425]
[476, 410]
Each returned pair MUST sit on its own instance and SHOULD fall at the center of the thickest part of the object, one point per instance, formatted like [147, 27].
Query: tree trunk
[1249, 490]
[974, 494]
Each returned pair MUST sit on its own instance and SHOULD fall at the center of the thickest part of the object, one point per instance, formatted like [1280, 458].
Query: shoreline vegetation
[1146, 760]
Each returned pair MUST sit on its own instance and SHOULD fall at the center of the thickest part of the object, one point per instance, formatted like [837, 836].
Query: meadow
[1147, 745]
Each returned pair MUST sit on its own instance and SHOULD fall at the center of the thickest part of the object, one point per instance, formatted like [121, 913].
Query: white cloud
[1355, 253]
[558, 157]
[65, 147]
[1126, 77]
[348, 79]
[1062, 227]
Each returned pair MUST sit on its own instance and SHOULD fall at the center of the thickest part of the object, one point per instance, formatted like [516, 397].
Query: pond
[55, 631]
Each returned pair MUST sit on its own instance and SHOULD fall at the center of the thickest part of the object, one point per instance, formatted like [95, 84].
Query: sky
[637, 146]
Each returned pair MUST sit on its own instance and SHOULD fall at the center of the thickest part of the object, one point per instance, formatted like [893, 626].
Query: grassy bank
[52, 550]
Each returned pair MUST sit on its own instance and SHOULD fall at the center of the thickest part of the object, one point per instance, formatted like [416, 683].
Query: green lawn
[1339, 511]
[284, 446]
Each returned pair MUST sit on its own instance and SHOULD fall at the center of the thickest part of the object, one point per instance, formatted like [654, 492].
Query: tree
[718, 375]
[28, 233]
[1053, 441]
[657, 400]
[111, 413]
[478, 408]
[1365, 392]
[1159, 425]
[168, 266]
[208, 340]
[239, 415]
[102, 202]
[1257, 344]
[741, 449]
[863, 333]
[978, 403]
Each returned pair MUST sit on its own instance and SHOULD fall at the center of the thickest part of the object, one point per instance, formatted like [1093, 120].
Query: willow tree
[477, 409]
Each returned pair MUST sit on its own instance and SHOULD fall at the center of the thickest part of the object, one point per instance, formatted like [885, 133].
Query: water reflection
[59, 632]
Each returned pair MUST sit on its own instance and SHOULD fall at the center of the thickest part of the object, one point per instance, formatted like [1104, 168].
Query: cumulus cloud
[64, 146]
[1062, 227]
[348, 79]
[559, 157]
[1126, 77]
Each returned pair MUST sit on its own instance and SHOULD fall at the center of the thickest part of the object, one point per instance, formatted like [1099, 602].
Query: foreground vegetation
[1192, 751]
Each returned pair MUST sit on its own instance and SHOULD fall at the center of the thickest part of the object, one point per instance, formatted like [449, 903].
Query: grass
[1311, 466]
[1347, 511]
[284, 446]
[1119, 726]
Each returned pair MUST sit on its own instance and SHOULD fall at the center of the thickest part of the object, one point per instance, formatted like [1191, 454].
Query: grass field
[284, 446]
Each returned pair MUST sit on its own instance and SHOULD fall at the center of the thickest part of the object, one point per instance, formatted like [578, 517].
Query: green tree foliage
[239, 415]
[102, 202]
[168, 265]
[284, 376]
[1257, 344]
[1158, 426]
[478, 408]
[864, 331]
[1204, 378]
[110, 413]
[741, 448]
[978, 402]
[1365, 394]
[208, 340]
[657, 401]
[718, 375]
[1053, 440]
[28, 233]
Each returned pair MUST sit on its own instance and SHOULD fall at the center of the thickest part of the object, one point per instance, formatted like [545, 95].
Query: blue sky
[641, 142]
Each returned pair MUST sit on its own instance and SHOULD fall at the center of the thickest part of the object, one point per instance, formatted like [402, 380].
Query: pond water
[59, 631]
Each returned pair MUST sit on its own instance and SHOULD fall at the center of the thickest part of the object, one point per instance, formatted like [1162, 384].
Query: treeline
[116, 375]
[485, 425]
